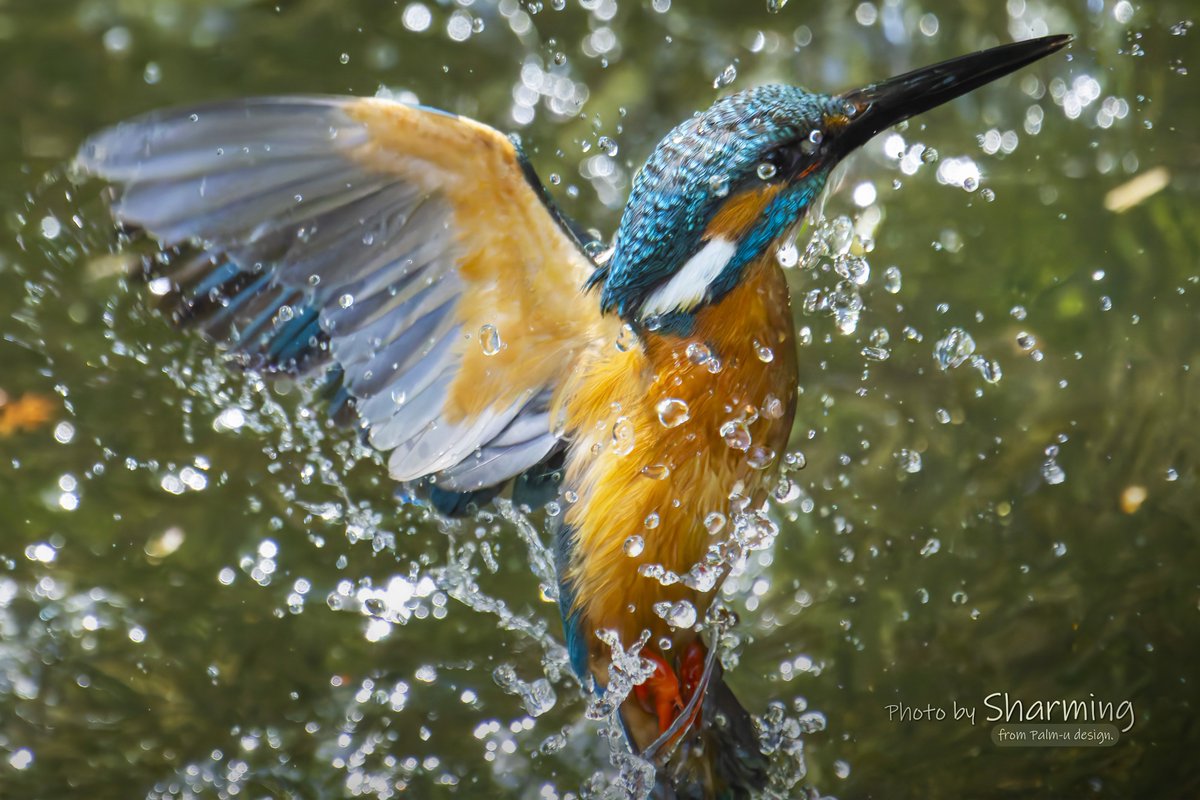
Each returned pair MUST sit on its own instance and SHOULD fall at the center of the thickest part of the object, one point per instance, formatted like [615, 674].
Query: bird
[413, 262]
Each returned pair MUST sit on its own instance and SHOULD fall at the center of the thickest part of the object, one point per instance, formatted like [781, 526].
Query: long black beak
[881, 105]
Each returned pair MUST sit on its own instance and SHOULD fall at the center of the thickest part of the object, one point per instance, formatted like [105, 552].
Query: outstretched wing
[412, 251]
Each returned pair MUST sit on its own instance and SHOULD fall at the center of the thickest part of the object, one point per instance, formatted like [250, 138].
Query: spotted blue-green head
[719, 190]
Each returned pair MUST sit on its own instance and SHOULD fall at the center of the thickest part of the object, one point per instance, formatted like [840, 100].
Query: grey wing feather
[527, 439]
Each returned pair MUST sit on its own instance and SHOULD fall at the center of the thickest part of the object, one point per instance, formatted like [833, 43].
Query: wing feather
[378, 239]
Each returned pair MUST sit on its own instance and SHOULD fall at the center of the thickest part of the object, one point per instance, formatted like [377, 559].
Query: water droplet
[714, 522]
[954, 349]
[840, 236]
[990, 370]
[775, 6]
[891, 280]
[755, 532]
[538, 697]
[959, 598]
[764, 353]
[673, 412]
[678, 615]
[931, 547]
[698, 353]
[651, 521]
[346, 300]
[788, 255]
[773, 407]
[51, 227]
[552, 744]
[634, 546]
[656, 472]
[909, 460]
[702, 577]
[230, 419]
[1052, 473]
[795, 461]
[626, 338]
[719, 185]
[760, 457]
[727, 76]
[943, 416]
[876, 353]
[787, 491]
[736, 435]
[853, 268]
[766, 170]
[344, 58]
[489, 340]
[622, 436]
[505, 676]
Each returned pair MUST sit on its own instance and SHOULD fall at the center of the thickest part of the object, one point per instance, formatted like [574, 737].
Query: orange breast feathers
[663, 432]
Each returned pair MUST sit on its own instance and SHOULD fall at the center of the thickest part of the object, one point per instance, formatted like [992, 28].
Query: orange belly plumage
[664, 430]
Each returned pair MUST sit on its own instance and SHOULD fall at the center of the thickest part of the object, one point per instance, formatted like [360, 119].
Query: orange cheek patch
[740, 212]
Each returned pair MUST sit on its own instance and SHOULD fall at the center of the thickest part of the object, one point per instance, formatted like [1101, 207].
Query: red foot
[659, 694]
[662, 693]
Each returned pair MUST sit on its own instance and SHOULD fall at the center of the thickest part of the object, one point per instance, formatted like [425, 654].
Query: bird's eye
[785, 162]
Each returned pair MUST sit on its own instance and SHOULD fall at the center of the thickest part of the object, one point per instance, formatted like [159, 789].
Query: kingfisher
[468, 330]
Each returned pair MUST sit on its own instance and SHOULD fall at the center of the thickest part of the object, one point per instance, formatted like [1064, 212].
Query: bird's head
[722, 187]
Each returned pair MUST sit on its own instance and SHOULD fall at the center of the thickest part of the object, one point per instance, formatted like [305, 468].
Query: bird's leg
[659, 694]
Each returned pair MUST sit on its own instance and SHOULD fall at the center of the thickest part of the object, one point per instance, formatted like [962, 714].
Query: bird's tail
[720, 758]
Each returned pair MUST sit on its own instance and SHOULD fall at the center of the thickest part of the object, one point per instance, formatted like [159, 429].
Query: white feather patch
[687, 287]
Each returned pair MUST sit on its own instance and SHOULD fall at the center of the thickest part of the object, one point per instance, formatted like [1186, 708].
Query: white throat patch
[689, 285]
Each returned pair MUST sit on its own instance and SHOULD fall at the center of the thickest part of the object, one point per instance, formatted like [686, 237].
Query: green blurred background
[195, 572]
